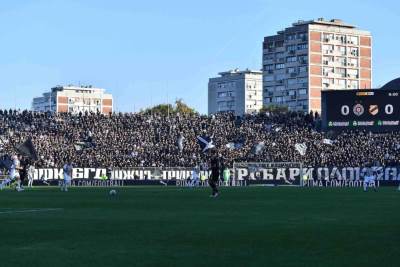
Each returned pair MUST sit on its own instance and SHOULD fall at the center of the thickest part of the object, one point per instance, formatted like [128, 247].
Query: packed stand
[137, 140]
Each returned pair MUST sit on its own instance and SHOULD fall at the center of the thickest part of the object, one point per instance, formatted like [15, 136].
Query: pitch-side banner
[337, 177]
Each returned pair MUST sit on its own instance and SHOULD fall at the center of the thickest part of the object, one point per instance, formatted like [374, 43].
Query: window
[341, 38]
[352, 62]
[328, 37]
[327, 59]
[342, 50]
[303, 36]
[340, 83]
[269, 67]
[351, 73]
[341, 61]
[326, 71]
[291, 70]
[352, 40]
[352, 84]
[290, 36]
[270, 45]
[303, 69]
[280, 66]
[302, 46]
[291, 59]
[354, 51]
[341, 72]
[303, 59]
[290, 48]
[328, 49]
[291, 81]
[279, 44]
[302, 91]
[327, 82]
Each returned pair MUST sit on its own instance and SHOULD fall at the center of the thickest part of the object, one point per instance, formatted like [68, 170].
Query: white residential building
[236, 91]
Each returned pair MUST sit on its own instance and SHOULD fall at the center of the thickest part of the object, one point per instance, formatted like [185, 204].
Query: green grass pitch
[158, 226]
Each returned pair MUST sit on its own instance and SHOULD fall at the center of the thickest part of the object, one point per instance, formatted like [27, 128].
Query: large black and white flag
[205, 143]
[27, 149]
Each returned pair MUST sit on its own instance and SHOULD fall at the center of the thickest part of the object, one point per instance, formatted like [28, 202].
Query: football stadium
[294, 162]
[289, 193]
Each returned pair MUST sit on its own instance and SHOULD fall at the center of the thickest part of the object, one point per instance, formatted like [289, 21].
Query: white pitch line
[29, 211]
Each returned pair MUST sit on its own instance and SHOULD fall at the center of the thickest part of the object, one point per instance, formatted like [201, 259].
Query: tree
[182, 108]
[168, 109]
[274, 109]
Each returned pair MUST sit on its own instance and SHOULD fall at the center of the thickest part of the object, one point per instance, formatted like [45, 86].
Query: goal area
[269, 173]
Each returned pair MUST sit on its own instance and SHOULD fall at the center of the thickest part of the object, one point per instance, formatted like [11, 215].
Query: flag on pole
[181, 138]
[301, 148]
[327, 142]
[259, 148]
[205, 143]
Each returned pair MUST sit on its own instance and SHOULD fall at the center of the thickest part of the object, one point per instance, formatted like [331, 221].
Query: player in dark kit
[24, 171]
[214, 177]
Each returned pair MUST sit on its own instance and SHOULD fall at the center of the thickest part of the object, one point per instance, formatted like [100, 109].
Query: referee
[214, 177]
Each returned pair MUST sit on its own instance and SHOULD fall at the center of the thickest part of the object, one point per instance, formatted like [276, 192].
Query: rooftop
[322, 21]
[238, 72]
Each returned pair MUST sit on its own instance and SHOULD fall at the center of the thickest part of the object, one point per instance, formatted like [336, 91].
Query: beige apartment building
[74, 99]
[310, 56]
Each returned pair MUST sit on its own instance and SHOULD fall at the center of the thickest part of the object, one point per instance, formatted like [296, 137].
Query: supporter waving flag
[301, 148]
[205, 143]
[27, 149]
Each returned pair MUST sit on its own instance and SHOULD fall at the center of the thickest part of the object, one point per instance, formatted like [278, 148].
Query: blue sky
[149, 52]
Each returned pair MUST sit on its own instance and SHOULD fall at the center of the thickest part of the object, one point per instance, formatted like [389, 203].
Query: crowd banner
[274, 175]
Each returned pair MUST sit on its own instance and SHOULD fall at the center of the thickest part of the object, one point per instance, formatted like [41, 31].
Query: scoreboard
[373, 110]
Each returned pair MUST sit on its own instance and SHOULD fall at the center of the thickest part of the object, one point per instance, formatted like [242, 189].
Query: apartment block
[74, 99]
[236, 91]
[310, 56]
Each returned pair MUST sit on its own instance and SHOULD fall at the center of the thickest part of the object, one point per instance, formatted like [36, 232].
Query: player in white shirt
[67, 176]
[195, 177]
[369, 179]
[13, 174]
[31, 173]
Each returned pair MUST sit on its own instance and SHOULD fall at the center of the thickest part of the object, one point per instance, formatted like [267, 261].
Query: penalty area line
[30, 211]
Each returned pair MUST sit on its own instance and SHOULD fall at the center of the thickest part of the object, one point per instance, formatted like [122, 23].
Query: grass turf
[157, 226]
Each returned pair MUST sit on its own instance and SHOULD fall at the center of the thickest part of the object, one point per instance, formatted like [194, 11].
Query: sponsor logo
[358, 110]
[373, 110]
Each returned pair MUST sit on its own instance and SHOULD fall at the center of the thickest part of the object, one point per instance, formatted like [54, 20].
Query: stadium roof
[392, 85]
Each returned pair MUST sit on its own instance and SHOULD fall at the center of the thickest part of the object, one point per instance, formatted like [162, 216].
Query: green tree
[274, 109]
[182, 108]
[168, 109]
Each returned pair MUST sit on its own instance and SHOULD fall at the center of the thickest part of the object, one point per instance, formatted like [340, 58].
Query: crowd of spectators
[137, 140]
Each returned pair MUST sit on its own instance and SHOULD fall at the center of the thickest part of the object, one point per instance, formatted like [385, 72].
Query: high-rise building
[235, 91]
[311, 56]
[74, 99]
